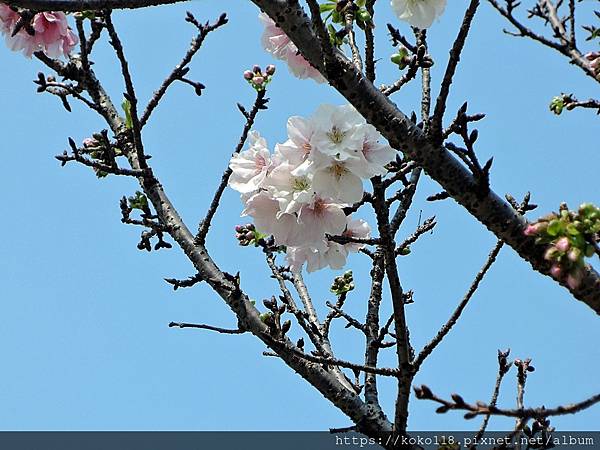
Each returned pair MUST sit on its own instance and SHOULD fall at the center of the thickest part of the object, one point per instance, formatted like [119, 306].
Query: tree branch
[490, 209]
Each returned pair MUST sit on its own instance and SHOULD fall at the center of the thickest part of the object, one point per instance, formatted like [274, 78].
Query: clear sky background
[83, 331]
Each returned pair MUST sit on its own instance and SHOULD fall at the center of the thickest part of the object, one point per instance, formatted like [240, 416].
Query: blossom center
[338, 170]
[260, 162]
[300, 184]
[336, 135]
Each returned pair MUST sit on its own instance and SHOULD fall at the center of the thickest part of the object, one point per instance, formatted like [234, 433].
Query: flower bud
[90, 142]
[258, 80]
[531, 230]
[556, 271]
[256, 69]
[248, 75]
[562, 244]
[270, 69]
[574, 255]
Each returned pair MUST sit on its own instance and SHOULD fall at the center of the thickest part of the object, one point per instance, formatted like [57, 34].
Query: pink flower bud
[256, 69]
[90, 142]
[248, 75]
[562, 244]
[270, 69]
[531, 229]
[258, 81]
[556, 271]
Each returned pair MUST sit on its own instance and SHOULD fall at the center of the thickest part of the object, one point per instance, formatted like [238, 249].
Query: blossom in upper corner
[276, 42]
[51, 33]
[419, 13]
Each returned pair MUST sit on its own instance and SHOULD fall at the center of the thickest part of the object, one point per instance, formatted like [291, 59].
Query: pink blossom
[318, 218]
[556, 271]
[276, 42]
[375, 155]
[531, 230]
[298, 147]
[357, 229]
[8, 19]
[317, 256]
[52, 34]
[249, 168]
[264, 209]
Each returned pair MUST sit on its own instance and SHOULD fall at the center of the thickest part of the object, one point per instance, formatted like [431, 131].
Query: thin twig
[455, 53]
[479, 409]
[136, 126]
[503, 368]
[259, 104]
[179, 68]
[205, 327]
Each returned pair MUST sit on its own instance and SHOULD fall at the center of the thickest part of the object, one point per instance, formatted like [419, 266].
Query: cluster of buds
[343, 284]
[272, 318]
[403, 59]
[594, 61]
[100, 149]
[247, 235]
[259, 79]
[570, 237]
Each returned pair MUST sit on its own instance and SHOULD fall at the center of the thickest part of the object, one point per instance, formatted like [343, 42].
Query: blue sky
[84, 335]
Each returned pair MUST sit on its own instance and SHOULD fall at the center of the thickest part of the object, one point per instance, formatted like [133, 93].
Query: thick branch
[86, 5]
[489, 208]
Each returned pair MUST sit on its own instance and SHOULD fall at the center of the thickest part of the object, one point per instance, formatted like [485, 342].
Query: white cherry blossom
[297, 148]
[374, 155]
[250, 167]
[291, 191]
[335, 131]
[419, 13]
[336, 180]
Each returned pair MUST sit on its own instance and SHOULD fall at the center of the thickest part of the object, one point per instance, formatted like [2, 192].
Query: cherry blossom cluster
[259, 79]
[47, 32]
[298, 193]
[570, 237]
